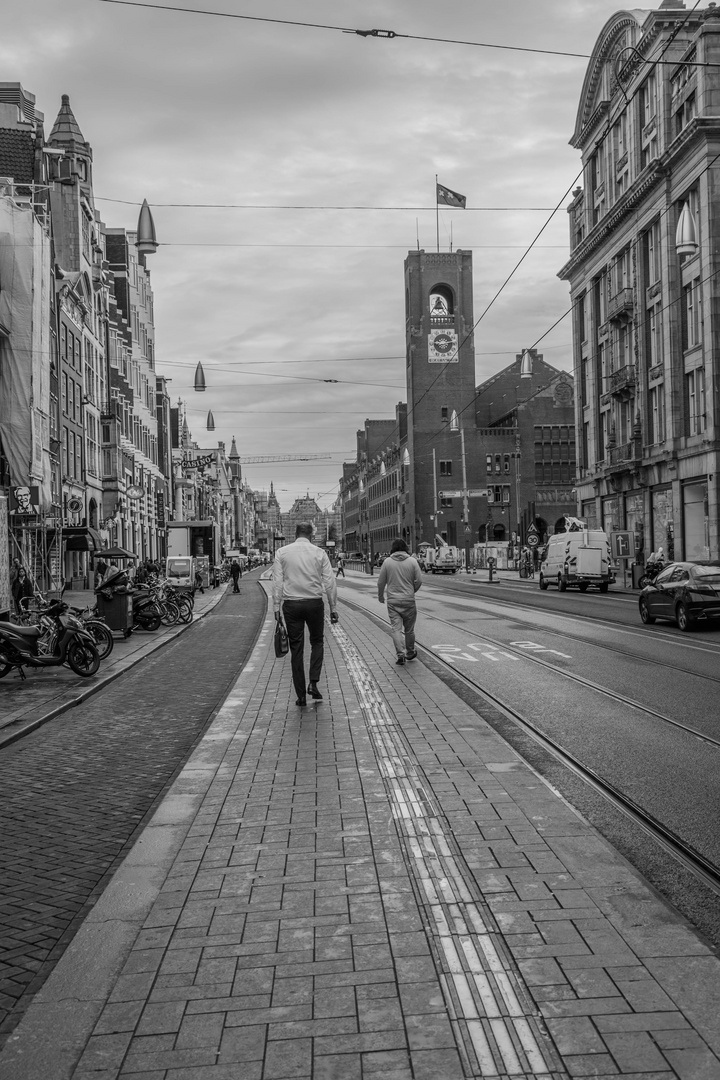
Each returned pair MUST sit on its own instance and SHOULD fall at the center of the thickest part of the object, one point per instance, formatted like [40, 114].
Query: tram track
[680, 850]
[606, 691]
[713, 649]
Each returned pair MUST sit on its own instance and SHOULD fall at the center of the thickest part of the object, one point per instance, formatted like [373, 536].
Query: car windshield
[709, 574]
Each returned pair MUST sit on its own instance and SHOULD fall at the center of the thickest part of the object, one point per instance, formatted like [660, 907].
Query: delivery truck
[197, 543]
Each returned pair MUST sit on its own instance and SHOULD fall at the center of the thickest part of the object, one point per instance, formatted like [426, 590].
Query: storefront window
[634, 523]
[695, 521]
[663, 522]
[612, 514]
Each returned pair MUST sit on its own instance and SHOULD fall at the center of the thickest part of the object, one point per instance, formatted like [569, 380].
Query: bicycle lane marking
[453, 654]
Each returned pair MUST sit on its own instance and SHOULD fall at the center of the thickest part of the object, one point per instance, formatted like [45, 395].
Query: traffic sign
[622, 545]
[450, 494]
[532, 528]
[532, 539]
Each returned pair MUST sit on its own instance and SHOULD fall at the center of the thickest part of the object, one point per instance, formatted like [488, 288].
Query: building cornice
[647, 180]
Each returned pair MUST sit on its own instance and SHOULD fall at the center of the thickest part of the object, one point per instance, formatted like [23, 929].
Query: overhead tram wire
[386, 35]
[318, 206]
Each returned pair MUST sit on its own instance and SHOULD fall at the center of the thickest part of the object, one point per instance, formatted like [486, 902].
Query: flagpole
[437, 216]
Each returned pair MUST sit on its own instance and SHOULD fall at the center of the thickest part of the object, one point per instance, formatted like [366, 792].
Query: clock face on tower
[443, 347]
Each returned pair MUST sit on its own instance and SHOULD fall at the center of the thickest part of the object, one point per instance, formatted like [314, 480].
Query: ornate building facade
[643, 265]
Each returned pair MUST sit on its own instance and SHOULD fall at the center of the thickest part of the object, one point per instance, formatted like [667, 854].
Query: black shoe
[302, 702]
[314, 692]
[412, 655]
[400, 661]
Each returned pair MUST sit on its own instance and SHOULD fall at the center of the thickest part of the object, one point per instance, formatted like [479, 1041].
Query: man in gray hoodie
[400, 575]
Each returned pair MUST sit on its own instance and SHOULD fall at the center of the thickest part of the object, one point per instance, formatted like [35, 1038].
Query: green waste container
[117, 611]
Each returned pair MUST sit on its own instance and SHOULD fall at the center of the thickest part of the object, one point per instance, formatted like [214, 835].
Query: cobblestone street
[76, 790]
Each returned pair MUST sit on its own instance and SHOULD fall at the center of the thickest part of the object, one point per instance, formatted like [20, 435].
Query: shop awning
[81, 538]
[113, 553]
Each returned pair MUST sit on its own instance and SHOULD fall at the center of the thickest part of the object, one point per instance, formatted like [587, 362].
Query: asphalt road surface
[636, 705]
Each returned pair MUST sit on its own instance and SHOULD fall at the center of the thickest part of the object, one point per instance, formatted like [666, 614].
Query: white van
[577, 559]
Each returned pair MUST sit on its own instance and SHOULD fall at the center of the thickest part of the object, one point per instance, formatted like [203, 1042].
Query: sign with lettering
[198, 462]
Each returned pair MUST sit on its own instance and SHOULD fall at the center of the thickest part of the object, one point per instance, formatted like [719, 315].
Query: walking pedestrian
[340, 565]
[401, 577]
[235, 574]
[101, 568]
[21, 589]
[301, 575]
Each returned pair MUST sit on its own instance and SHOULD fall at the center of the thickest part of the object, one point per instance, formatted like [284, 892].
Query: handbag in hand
[281, 639]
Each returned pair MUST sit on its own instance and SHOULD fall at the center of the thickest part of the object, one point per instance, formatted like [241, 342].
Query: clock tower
[442, 430]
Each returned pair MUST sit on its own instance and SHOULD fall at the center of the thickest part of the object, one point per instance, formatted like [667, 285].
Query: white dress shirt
[302, 571]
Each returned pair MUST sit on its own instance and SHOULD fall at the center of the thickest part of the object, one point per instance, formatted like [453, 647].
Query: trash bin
[637, 572]
[117, 611]
[115, 602]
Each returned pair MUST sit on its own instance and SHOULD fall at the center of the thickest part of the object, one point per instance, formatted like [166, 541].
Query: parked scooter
[147, 613]
[655, 563]
[60, 638]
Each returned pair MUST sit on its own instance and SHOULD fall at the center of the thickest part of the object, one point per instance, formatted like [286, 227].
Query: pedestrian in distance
[340, 565]
[101, 568]
[21, 589]
[400, 577]
[235, 574]
[301, 576]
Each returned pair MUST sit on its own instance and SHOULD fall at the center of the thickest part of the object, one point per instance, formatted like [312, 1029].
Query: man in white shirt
[301, 575]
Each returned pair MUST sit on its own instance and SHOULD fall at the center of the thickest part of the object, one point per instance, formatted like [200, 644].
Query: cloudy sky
[290, 169]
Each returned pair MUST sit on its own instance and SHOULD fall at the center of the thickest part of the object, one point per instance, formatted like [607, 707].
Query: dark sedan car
[687, 592]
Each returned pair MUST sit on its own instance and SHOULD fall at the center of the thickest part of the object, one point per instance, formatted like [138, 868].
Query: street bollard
[491, 567]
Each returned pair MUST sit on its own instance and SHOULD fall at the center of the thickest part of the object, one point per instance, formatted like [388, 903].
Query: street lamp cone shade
[526, 365]
[686, 241]
[210, 421]
[199, 377]
[145, 242]
[454, 421]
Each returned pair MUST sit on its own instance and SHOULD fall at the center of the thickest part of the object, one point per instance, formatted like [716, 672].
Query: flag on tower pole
[448, 197]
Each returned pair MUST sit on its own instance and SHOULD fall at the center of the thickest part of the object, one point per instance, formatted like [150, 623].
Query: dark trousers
[297, 613]
[235, 582]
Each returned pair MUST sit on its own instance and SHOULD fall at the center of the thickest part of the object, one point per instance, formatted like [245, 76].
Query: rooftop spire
[233, 450]
[66, 128]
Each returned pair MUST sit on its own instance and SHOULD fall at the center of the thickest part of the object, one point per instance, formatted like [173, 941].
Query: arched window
[441, 302]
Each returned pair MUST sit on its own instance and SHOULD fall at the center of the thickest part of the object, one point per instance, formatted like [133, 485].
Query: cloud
[191, 109]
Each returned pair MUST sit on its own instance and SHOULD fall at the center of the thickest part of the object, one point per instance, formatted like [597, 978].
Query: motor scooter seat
[27, 631]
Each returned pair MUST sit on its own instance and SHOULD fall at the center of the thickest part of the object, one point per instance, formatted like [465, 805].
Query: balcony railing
[618, 454]
[621, 304]
[623, 379]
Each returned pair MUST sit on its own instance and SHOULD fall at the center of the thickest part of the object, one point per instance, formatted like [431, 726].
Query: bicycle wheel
[186, 610]
[83, 657]
[102, 635]
[170, 613]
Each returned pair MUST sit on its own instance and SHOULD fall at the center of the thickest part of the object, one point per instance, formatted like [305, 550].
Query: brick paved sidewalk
[374, 886]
